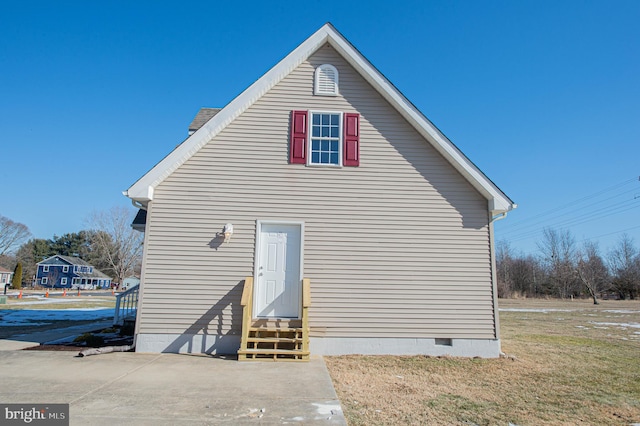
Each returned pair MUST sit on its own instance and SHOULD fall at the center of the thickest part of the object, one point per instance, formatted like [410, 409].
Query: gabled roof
[59, 259]
[4, 271]
[142, 191]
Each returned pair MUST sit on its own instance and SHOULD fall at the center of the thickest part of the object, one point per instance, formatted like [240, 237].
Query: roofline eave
[142, 190]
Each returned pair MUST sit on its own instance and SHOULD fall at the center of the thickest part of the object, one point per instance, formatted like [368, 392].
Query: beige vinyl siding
[397, 247]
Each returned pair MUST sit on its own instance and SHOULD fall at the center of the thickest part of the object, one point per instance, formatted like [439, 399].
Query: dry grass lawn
[569, 362]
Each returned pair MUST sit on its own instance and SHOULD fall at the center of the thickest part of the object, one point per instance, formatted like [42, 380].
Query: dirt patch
[56, 348]
[94, 339]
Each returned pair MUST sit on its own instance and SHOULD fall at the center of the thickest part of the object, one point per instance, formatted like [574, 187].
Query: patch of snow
[582, 326]
[327, 410]
[11, 317]
[45, 301]
[621, 311]
[618, 324]
[63, 341]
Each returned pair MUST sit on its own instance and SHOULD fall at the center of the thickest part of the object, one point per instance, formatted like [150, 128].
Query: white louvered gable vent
[326, 80]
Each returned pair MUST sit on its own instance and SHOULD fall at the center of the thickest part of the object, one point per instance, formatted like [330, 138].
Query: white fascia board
[142, 190]
[499, 202]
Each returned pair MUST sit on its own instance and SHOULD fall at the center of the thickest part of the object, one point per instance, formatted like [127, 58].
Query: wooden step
[273, 351]
[273, 340]
[280, 339]
[273, 354]
[276, 330]
[270, 323]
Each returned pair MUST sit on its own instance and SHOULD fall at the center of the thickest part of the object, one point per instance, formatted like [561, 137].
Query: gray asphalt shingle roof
[204, 115]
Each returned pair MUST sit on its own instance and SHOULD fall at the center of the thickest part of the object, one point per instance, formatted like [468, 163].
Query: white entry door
[278, 278]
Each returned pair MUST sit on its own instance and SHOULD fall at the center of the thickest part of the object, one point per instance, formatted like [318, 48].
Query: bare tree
[624, 261]
[30, 253]
[560, 256]
[118, 244]
[503, 268]
[592, 271]
[12, 234]
[53, 276]
[526, 273]
[517, 274]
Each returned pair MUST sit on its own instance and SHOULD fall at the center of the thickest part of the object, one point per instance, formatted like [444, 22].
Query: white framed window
[65, 268]
[325, 141]
[75, 280]
[45, 268]
[44, 280]
[326, 80]
[63, 281]
[75, 268]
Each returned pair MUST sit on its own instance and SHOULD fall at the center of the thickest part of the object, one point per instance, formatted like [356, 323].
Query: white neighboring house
[5, 277]
[129, 282]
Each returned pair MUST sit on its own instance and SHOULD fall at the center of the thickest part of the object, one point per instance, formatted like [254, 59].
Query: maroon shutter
[298, 145]
[351, 148]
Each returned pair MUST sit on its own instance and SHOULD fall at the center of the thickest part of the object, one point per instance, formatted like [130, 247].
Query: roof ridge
[142, 190]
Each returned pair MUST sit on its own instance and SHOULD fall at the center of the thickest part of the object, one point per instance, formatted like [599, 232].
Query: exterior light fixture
[228, 231]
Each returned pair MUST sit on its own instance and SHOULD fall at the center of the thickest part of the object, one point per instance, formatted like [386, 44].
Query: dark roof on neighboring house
[204, 115]
[63, 260]
[5, 270]
[74, 260]
[94, 274]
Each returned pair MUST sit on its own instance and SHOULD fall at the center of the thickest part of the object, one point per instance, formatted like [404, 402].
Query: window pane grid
[325, 138]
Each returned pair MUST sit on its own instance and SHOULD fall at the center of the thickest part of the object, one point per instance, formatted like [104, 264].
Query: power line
[611, 233]
[555, 210]
[580, 219]
[583, 210]
[556, 216]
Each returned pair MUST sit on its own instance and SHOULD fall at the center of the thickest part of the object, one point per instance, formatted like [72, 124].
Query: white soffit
[142, 190]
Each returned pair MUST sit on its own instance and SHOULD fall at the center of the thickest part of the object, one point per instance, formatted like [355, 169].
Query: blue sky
[544, 96]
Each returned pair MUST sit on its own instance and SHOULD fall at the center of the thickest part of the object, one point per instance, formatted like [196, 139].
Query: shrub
[90, 339]
[16, 281]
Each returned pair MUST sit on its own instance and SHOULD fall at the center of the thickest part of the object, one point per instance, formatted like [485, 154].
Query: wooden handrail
[247, 291]
[246, 302]
[306, 292]
[306, 302]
